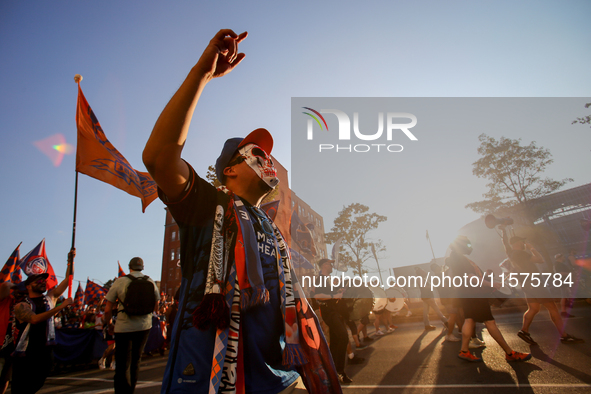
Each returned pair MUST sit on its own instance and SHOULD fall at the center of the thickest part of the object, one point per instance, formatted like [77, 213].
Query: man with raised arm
[243, 323]
[35, 331]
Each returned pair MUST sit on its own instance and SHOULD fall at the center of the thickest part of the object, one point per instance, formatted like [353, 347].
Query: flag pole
[432, 252]
[71, 277]
[77, 79]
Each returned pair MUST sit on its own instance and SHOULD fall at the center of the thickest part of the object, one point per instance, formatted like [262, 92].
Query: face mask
[261, 163]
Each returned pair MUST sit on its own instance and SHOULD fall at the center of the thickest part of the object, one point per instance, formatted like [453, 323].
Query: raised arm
[536, 256]
[506, 244]
[108, 313]
[24, 313]
[5, 289]
[63, 285]
[162, 154]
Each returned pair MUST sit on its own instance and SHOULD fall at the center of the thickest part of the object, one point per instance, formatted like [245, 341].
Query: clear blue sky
[133, 56]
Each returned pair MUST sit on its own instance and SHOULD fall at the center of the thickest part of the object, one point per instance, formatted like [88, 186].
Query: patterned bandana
[232, 287]
[261, 163]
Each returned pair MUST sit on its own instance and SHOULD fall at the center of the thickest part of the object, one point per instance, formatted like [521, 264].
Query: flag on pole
[11, 266]
[121, 273]
[36, 262]
[78, 299]
[17, 276]
[98, 158]
[93, 293]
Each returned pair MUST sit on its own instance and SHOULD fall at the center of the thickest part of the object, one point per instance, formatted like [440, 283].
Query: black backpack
[139, 298]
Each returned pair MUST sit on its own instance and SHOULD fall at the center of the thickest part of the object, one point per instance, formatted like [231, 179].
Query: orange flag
[98, 158]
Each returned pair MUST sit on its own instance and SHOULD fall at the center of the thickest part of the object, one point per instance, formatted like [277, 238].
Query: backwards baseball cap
[33, 277]
[259, 137]
[136, 264]
[516, 239]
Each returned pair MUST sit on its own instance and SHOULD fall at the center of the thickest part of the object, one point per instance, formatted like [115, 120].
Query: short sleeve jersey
[124, 322]
[262, 326]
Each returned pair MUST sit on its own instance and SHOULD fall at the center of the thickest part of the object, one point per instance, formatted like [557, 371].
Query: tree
[353, 224]
[584, 119]
[212, 177]
[109, 283]
[514, 172]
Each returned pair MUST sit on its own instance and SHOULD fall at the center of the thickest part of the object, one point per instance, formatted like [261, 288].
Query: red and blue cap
[260, 137]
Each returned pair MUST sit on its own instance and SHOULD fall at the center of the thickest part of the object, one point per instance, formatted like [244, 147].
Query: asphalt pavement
[412, 360]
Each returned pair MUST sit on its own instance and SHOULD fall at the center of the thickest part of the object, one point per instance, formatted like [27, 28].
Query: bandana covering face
[261, 163]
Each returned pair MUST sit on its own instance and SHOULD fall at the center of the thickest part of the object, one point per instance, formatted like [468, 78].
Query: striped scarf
[232, 287]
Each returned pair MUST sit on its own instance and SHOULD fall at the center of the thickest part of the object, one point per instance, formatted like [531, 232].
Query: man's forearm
[171, 128]
[508, 248]
[107, 318]
[25, 314]
[162, 154]
[537, 257]
[63, 285]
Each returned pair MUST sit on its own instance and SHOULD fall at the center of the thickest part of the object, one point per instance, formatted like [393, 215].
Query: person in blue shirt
[240, 325]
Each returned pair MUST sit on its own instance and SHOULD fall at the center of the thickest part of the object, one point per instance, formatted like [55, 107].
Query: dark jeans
[129, 347]
[29, 372]
[339, 338]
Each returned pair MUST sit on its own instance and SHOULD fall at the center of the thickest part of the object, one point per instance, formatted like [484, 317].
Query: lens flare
[64, 148]
[54, 147]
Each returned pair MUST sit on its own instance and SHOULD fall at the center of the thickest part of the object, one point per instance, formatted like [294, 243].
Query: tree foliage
[353, 224]
[514, 172]
[211, 177]
[584, 119]
[109, 283]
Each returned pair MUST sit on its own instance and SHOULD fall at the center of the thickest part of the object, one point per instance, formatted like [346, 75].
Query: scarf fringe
[293, 355]
[212, 310]
[252, 296]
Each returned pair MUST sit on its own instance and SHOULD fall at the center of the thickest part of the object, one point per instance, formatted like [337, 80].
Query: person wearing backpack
[135, 296]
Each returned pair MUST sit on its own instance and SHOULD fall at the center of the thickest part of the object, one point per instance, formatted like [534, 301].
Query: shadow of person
[414, 368]
[540, 355]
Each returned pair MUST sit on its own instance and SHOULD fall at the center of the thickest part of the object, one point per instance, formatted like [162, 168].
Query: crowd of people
[464, 306]
[243, 322]
[31, 317]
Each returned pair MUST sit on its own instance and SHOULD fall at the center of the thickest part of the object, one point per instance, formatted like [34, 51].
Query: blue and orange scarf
[232, 287]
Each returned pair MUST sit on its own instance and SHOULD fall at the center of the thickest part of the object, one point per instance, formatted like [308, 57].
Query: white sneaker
[112, 367]
[409, 314]
[379, 333]
[452, 338]
[390, 330]
[101, 363]
[475, 343]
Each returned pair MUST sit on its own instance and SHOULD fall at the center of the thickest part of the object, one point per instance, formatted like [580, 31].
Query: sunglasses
[236, 161]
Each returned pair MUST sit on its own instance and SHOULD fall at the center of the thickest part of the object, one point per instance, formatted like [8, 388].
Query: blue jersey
[190, 360]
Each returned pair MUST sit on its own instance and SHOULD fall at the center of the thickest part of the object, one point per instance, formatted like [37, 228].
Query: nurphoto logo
[393, 125]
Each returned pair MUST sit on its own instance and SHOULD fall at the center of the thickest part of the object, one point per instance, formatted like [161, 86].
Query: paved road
[412, 360]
